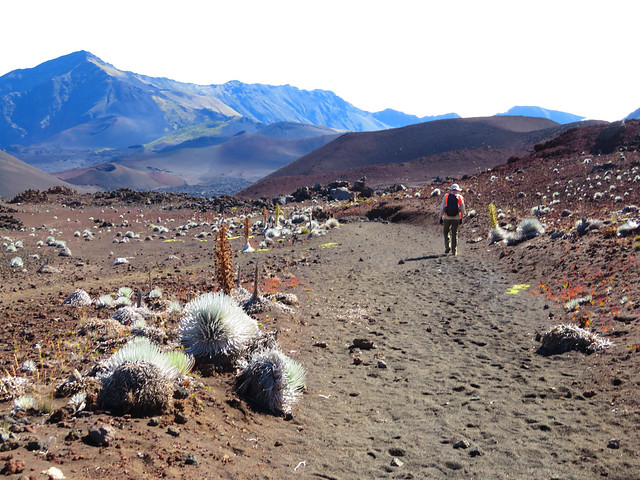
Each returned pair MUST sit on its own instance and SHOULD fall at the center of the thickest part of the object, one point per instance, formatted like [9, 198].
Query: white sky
[472, 57]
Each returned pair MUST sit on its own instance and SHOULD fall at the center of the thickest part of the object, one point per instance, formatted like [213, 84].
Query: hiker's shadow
[426, 257]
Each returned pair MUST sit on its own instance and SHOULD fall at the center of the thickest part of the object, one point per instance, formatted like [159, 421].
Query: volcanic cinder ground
[455, 385]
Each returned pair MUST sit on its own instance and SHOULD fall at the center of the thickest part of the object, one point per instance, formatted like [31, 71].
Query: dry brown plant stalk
[224, 261]
[256, 294]
[247, 228]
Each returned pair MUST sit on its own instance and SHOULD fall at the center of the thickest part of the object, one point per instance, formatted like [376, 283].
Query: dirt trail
[464, 393]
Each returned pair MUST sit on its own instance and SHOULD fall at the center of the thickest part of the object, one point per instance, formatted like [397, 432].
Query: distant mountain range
[96, 125]
[558, 117]
[80, 101]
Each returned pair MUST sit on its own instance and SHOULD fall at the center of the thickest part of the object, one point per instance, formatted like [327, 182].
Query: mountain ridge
[416, 153]
[81, 97]
[532, 111]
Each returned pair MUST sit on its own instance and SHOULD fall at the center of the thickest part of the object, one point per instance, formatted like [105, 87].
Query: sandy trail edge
[462, 366]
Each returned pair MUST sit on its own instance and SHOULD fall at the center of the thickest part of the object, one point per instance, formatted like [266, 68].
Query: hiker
[451, 212]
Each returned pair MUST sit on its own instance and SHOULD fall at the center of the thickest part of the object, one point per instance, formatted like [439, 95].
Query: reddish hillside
[243, 157]
[112, 176]
[416, 153]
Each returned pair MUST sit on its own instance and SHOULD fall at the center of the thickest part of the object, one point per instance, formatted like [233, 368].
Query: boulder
[339, 184]
[359, 184]
[367, 192]
[302, 194]
[398, 187]
[102, 434]
[341, 193]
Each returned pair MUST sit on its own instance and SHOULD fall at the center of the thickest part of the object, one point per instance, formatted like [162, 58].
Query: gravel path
[454, 387]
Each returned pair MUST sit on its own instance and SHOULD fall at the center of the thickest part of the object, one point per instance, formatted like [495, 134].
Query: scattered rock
[397, 452]
[302, 194]
[475, 452]
[54, 474]
[341, 193]
[35, 445]
[173, 431]
[614, 444]
[13, 467]
[359, 184]
[363, 343]
[461, 444]
[397, 187]
[367, 192]
[9, 445]
[190, 459]
[74, 434]
[102, 434]
[180, 392]
[453, 465]
[154, 422]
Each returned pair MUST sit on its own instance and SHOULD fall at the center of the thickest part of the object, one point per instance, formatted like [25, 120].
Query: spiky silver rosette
[271, 381]
[136, 387]
[139, 377]
[128, 315]
[214, 329]
[78, 298]
[142, 349]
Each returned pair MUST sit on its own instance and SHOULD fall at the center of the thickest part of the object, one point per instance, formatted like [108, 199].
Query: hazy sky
[472, 57]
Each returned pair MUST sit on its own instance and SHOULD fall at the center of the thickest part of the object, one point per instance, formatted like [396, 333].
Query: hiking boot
[447, 250]
[455, 252]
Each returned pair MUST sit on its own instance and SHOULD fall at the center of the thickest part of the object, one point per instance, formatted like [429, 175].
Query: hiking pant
[450, 230]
